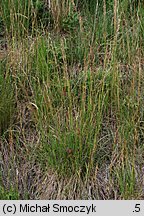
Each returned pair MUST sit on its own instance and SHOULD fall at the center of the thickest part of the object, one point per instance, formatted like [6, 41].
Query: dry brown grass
[3, 54]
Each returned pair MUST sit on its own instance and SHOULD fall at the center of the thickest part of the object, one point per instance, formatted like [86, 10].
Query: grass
[71, 100]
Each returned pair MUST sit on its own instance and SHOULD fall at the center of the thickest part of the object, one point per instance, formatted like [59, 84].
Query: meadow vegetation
[71, 99]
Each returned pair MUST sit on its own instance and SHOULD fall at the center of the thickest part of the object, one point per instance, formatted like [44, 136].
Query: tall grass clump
[73, 70]
[22, 18]
[70, 109]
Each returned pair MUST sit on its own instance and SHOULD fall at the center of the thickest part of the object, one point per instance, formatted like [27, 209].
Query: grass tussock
[71, 99]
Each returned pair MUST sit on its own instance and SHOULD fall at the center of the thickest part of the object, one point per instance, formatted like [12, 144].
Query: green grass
[72, 99]
[7, 101]
[8, 195]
